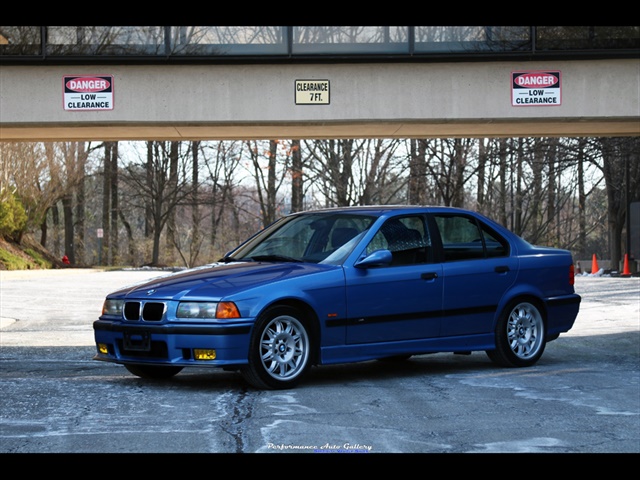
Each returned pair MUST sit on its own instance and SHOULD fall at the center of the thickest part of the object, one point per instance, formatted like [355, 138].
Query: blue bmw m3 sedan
[346, 285]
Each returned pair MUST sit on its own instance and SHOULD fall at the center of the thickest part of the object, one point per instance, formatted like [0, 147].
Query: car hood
[218, 280]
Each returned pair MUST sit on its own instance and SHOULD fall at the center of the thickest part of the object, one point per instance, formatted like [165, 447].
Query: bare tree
[223, 197]
[381, 173]
[74, 158]
[44, 174]
[331, 166]
[621, 172]
[582, 221]
[31, 171]
[110, 166]
[114, 205]
[535, 185]
[417, 173]
[297, 177]
[269, 167]
[80, 205]
[174, 151]
[194, 238]
[483, 159]
[152, 188]
[450, 168]
[549, 190]
[502, 183]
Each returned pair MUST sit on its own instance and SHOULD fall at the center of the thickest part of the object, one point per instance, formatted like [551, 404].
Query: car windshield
[315, 238]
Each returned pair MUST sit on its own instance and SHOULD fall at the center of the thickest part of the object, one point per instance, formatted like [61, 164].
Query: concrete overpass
[598, 97]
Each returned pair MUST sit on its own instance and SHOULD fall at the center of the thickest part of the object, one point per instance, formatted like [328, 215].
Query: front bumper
[172, 343]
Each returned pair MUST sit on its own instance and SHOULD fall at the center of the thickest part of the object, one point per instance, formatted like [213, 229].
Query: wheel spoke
[284, 347]
[524, 330]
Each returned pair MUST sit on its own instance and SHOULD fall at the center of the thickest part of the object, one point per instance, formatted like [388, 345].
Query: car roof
[381, 209]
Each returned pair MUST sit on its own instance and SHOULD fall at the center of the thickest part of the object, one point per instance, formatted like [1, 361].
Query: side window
[496, 245]
[463, 239]
[406, 238]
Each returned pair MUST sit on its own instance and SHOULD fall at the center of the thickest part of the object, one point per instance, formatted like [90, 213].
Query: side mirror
[376, 259]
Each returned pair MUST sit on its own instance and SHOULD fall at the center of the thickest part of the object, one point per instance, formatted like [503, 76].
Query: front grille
[147, 311]
[132, 310]
[153, 311]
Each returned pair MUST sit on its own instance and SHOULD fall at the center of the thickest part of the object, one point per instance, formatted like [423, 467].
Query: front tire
[520, 336]
[279, 349]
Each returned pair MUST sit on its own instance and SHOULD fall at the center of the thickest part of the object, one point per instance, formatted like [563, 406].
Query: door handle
[502, 269]
[429, 276]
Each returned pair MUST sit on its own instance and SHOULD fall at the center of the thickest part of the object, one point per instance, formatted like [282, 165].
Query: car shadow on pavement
[597, 352]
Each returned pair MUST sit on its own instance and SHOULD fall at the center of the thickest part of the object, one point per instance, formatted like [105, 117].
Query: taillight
[572, 274]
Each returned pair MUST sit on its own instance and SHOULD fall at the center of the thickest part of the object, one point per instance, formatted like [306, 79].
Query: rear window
[464, 238]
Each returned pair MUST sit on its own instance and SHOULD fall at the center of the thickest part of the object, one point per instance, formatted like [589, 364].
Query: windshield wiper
[228, 259]
[274, 258]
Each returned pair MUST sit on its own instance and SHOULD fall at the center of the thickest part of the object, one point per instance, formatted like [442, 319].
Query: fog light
[102, 348]
[204, 354]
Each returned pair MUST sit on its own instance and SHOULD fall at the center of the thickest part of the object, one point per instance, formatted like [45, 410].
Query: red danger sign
[88, 85]
[535, 88]
[88, 92]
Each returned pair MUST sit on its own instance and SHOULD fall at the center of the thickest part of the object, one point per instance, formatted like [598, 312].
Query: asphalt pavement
[582, 397]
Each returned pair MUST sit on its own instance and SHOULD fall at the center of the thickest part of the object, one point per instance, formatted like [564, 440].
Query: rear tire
[520, 336]
[153, 372]
[279, 350]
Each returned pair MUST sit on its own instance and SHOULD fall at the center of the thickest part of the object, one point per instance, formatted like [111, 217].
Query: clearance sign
[312, 92]
[535, 89]
[88, 92]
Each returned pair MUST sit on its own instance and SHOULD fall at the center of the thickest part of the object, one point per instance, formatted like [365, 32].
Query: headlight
[112, 307]
[207, 310]
[197, 310]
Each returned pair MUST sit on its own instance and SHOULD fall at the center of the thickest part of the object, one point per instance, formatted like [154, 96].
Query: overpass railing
[220, 44]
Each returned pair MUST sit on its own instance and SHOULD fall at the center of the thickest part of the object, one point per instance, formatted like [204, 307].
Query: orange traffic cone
[594, 265]
[625, 270]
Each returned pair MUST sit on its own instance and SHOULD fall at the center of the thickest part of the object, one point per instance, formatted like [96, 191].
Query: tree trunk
[502, 200]
[106, 204]
[55, 220]
[174, 148]
[482, 160]
[417, 173]
[79, 250]
[297, 195]
[552, 200]
[43, 228]
[459, 165]
[270, 211]
[582, 200]
[113, 177]
[130, 242]
[196, 236]
[67, 210]
[534, 214]
[148, 213]
[517, 221]
[614, 176]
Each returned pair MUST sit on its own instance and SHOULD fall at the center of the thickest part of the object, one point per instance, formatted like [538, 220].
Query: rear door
[477, 269]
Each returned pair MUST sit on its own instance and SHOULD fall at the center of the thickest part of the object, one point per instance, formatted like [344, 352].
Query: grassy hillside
[28, 255]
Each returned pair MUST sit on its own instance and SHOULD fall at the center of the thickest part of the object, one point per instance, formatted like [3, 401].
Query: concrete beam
[226, 102]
